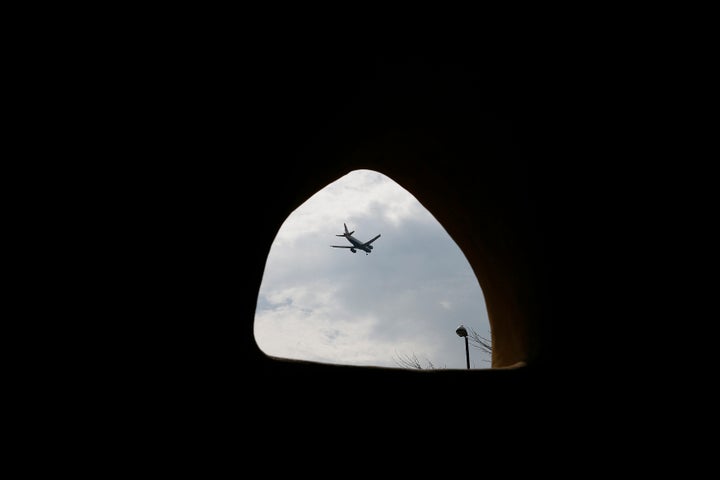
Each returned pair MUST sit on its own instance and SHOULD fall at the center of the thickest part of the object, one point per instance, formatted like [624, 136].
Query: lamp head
[461, 331]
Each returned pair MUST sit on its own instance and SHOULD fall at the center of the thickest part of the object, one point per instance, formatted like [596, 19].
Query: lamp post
[462, 332]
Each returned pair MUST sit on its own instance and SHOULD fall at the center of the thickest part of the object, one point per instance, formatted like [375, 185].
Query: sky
[403, 300]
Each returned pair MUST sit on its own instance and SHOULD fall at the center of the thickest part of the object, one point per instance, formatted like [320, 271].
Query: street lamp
[462, 332]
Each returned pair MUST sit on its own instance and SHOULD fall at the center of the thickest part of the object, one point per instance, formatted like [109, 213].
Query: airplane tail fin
[346, 232]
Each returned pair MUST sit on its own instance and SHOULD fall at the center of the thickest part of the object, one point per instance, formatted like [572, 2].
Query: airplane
[356, 244]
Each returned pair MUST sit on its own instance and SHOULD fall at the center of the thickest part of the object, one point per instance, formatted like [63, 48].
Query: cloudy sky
[404, 299]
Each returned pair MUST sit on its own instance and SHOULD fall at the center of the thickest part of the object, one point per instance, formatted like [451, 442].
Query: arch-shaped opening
[398, 304]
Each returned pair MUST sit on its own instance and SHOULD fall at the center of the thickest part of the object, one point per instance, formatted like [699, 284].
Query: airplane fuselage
[358, 244]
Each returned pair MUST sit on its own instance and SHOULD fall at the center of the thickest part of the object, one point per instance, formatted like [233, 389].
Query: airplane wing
[343, 246]
[370, 241]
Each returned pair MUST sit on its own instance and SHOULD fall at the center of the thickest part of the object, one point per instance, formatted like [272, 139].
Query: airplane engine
[353, 250]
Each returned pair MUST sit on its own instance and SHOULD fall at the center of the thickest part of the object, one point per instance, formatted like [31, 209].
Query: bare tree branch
[412, 361]
[478, 341]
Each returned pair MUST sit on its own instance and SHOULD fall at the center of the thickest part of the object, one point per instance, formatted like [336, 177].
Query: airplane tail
[346, 232]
